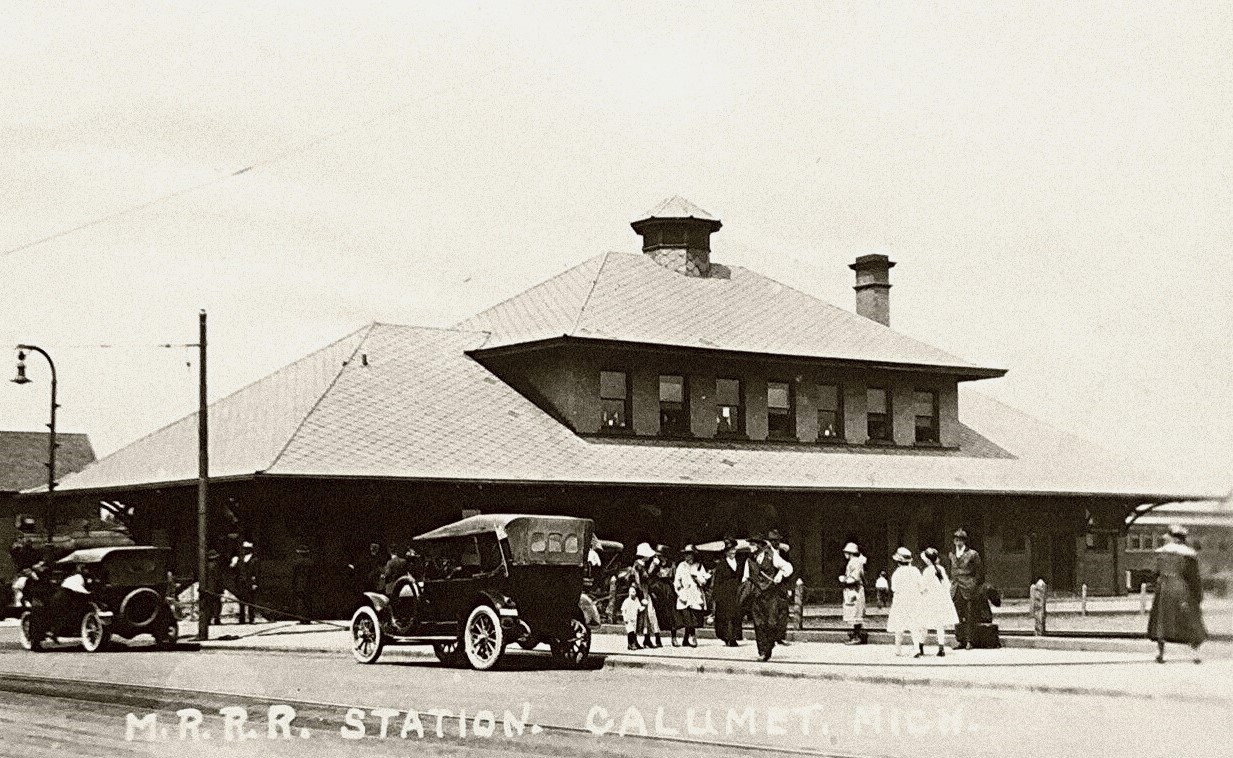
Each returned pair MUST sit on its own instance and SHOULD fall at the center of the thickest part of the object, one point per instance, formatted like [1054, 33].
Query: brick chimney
[873, 287]
[677, 235]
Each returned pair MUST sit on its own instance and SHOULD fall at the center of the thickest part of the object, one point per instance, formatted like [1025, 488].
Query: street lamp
[21, 378]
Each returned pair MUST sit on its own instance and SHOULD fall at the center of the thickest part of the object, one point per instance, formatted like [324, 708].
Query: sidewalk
[1127, 672]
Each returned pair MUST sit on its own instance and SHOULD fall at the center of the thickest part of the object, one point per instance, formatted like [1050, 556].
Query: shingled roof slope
[23, 458]
[630, 298]
[419, 407]
[248, 429]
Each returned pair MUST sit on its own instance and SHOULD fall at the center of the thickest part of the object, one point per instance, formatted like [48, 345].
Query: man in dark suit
[967, 582]
[246, 576]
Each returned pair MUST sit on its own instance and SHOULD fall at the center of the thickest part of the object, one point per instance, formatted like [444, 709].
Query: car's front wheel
[367, 639]
[572, 651]
[31, 635]
[94, 631]
[483, 639]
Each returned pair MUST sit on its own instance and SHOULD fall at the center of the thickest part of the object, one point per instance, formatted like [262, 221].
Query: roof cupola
[677, 235]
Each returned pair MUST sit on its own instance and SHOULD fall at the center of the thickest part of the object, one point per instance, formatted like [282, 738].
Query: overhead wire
[280, 156]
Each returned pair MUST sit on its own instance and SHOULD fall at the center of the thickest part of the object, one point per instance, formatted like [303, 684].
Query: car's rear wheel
[572, 651]
[367, 639]
[483, 639]
[449, 653]
[31, 635]
[94, 631]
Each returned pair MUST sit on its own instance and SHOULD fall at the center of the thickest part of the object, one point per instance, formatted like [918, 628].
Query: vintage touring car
[97, 593]
[480, 584]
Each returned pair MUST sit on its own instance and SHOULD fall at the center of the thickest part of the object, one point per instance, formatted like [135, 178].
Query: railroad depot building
[668, 397]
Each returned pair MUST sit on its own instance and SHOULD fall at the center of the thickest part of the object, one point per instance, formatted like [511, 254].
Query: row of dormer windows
[675, 414]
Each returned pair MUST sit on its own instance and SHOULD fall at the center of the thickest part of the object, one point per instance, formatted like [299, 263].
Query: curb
[720, 668]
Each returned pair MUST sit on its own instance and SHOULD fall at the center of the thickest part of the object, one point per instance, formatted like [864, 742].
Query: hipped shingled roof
[630, 298]
[23, 458]
[416, 406]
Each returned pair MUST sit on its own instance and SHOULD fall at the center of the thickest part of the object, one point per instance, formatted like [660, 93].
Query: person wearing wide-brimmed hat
[648, 620]
[967, 589]
[1176, 610]
[662, 574]
[766, 570]
[690, 578]
[781, 623]
[905, 610]
[727, 593]
[853, 582]
[246, 575]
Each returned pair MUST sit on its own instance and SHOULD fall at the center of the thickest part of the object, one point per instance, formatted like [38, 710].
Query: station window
[830, 413]
[673, 406]
[614, 397]
[728, 417]
[878, 415]
[925, 408]
[780, 416]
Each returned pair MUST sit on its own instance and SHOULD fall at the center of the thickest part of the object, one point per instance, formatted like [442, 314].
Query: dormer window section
[614, 399]
[673, 406]
[830, 413]
[729, 417]
[780, 414]
[878, 415]
[925, 408]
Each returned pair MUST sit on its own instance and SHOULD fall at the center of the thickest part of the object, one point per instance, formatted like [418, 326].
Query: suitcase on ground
[986, 636]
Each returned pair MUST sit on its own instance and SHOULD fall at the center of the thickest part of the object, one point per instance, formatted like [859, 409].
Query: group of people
[664, 597]
[928, 598]
[236, 573]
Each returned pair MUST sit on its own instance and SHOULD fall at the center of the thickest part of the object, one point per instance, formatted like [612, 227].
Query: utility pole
[203, 485]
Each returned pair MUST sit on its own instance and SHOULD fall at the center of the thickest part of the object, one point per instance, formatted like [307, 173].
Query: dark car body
[123, 594]
[481, 583]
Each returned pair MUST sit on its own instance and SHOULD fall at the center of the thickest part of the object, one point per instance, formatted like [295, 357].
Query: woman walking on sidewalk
[905, 610]
[937, 609]
[663, 594]
[1176, 613]
[690, 602]
[648, 620]
[853, 581]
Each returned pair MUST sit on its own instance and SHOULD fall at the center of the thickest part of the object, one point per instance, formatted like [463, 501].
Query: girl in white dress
[937, 608]
[905, 610]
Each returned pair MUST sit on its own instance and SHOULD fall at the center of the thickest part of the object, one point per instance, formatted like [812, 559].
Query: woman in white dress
[690, 578]
[937, 608]
[905, 610]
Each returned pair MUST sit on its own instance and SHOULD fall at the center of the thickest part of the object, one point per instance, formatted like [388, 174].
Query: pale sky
[1053, 179]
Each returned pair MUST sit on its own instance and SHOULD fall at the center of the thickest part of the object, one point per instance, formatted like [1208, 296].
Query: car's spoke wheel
[31, 635]
[574, 649]
[483, 638]
[94, 632]
[449, 653]
[367, 639]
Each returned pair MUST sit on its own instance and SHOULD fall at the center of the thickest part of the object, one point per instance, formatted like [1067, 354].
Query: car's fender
[378, 601]
[500, 602]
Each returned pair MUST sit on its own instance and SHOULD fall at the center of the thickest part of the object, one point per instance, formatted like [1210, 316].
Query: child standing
[905, 602]
[937, 607]
[630, 610]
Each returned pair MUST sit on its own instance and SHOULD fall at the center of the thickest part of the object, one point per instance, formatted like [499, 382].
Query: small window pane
[671, 389]
[923, 403]
[727, 392]
[828, 424]
[614, 414]
[571, 543]
[876, 400]
[828, 397]
[538, 542]
[612, 385]
[777, 395]
[554, 542]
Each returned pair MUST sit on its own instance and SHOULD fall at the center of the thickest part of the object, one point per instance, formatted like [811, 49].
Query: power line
[294, 150]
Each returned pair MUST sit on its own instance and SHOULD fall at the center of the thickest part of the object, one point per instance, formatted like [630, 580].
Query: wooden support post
[1039, 594]
[1083, 600]
[798, 603]
[1143, 597]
